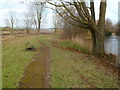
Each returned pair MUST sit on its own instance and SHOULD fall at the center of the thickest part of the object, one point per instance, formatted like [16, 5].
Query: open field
[15, 58]
[49, 44]
[68, 69]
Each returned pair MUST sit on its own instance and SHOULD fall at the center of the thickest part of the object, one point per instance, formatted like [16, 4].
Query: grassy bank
[15, 59]
[72, 45]
[78, 70]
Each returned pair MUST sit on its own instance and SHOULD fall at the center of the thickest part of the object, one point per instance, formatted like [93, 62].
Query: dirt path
[37, 73]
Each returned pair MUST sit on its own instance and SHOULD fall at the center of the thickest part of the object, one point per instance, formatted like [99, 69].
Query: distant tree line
[34, 16]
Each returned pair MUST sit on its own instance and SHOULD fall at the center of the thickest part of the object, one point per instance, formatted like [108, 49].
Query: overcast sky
[20, 8]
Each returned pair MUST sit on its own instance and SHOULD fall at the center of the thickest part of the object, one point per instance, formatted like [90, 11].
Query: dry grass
[84, 42]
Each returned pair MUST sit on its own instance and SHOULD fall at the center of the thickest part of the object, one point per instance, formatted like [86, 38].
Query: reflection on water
[111, 45]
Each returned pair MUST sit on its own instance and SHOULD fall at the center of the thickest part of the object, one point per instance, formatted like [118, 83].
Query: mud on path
[37, 73]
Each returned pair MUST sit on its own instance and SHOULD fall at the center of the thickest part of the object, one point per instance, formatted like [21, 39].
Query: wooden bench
[29, 47]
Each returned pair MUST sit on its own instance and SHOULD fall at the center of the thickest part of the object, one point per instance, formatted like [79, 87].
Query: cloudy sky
[19, 7]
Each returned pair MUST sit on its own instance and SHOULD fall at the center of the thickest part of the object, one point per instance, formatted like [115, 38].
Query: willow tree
[84, 16]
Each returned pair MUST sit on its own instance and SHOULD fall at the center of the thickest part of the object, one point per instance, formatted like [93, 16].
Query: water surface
[111, 45]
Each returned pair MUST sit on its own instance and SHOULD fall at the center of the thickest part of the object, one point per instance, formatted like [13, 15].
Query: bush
[108, 33]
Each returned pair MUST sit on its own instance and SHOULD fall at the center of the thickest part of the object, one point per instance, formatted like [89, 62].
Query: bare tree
[11, 20]
[68, 30]
[71, 31]
[28, 21]
[38, 10]
[85, 18]
[57, 22]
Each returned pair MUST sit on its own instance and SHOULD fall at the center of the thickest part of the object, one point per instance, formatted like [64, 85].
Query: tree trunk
[97, 42]
[93, 42]
[55, 31]
[39, 22]
[28, 30]
[12, 26]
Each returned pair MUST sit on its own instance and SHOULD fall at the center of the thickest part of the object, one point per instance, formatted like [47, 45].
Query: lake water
[111, 45]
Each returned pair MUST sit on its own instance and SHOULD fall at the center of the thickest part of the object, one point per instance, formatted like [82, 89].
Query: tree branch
[55, 4]
[79, 11]
[101, 21]
[81, 21]
[74, 24]
[63, 5]
[92, 10]
[85, 10]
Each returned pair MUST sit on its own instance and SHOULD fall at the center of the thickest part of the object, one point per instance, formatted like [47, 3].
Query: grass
[73, 45]
[15, 59]
[5, 29]
[75, 70]
[68, 69]
[78, 70]
[0, 29]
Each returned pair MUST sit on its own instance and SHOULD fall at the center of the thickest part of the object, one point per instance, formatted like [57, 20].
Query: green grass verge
[77, 70]
[15, 59]
[73, 45]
